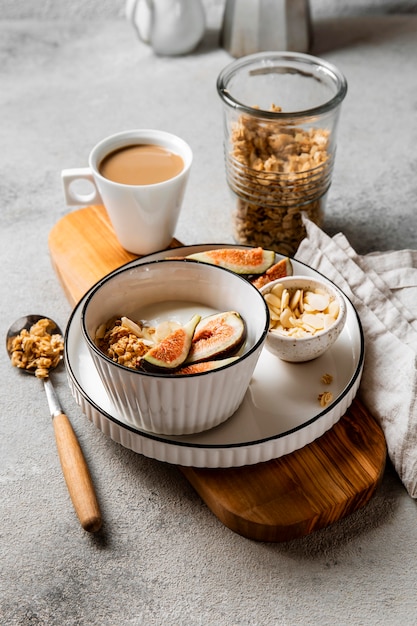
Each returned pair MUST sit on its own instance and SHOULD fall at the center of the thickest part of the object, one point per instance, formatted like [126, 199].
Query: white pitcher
[171, 27]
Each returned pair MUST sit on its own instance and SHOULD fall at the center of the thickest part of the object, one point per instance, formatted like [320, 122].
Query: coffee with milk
[142, 164]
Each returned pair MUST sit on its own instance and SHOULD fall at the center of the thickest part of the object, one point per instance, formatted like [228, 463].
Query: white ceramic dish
[279, 414]
[301, 349]
[162, 402]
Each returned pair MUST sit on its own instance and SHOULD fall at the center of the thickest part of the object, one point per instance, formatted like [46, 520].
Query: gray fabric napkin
[383, 289]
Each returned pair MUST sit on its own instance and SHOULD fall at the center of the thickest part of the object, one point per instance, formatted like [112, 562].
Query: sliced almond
[285, 318]
[295, 298]
[132, 326]
[318, 301]
[273, 300]
[285, 299]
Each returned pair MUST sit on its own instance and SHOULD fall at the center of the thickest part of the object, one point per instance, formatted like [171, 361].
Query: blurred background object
[104, 9]
[251, 26]
[170, 27]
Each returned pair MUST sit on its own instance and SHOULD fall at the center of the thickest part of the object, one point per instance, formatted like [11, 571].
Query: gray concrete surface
[162, 558]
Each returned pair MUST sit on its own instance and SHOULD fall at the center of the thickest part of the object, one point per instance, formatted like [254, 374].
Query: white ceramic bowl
[307, 348]
[174, 404]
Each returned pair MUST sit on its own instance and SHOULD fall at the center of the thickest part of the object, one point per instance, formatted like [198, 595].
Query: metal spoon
[74, 466]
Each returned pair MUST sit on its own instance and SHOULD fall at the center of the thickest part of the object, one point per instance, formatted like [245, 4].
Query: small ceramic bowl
[167, 403]
[309, 342]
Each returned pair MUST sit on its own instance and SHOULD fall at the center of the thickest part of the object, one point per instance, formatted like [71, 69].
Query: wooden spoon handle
[76, 474]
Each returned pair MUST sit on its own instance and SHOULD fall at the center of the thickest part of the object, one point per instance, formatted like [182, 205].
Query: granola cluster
[36, 349]
[125, 341]
[277, 170]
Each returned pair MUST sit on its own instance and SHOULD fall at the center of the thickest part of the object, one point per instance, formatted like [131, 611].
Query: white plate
[280, 412]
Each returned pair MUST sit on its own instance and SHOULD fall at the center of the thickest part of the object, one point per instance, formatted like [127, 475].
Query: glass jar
[280, 112]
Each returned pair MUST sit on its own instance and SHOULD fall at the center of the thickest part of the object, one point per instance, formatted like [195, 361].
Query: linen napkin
[383, 288]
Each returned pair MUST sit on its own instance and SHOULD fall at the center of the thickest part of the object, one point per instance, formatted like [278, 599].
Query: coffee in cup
[141, 164]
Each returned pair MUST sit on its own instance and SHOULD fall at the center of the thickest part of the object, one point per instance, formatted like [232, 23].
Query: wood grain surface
[278, 500]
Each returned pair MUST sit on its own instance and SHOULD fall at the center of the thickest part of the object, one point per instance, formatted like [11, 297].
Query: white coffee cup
[144, 216]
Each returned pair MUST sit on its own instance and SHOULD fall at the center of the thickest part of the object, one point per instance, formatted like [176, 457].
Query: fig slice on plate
[217, 335]
[205, 366]
[279, 270]
[238, 260]
[172, 351]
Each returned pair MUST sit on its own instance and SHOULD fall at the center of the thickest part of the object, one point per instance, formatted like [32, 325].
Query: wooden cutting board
[278, 500]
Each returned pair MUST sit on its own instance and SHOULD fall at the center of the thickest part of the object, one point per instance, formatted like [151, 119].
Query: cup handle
[74, 197]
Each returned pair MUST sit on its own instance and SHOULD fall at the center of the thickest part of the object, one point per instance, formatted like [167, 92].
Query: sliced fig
[278, 270]
[205, 366]
[172, 351]
[240, 261]
[217, 335]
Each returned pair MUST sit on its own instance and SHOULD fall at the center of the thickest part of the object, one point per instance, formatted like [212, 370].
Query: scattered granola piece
[327, 379]
[325, 398]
